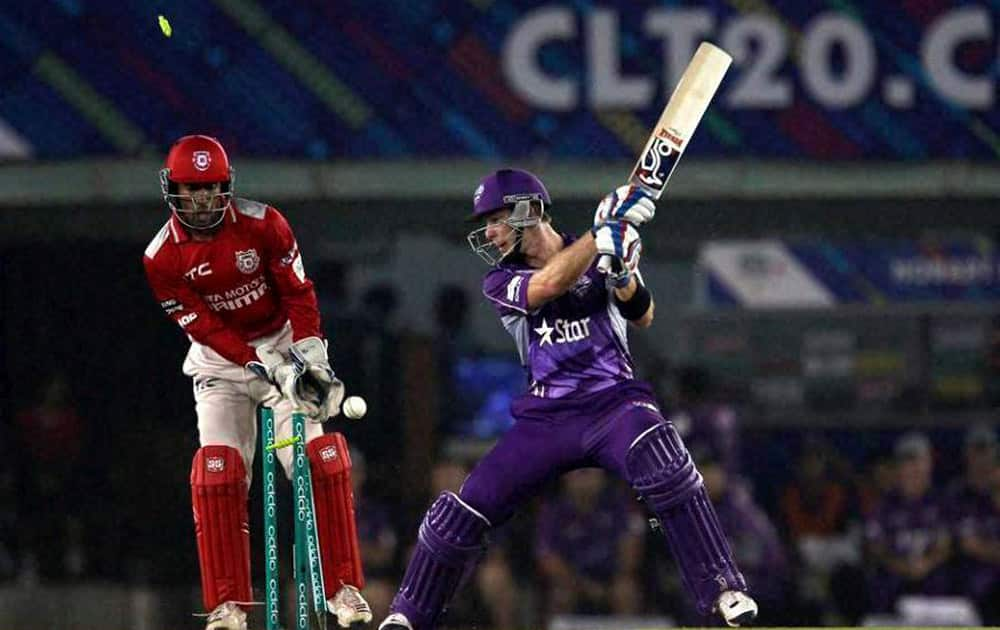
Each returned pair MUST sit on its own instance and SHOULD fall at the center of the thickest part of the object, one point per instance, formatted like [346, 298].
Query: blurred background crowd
[824, 263]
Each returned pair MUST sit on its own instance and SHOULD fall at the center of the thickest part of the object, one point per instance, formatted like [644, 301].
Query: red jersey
[244, 283]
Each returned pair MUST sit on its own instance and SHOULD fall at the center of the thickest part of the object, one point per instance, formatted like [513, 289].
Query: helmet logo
[477, 195]
[202, 160]
[247, 261]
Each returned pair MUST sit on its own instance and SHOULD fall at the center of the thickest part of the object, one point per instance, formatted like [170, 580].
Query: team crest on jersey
[247, 261]
[582, 285]
[215, 464]
[202, 160]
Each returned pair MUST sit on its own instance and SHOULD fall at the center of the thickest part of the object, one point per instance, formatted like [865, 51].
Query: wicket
[308, 571]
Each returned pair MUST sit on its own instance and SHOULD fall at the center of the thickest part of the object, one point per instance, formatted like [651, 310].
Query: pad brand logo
[563, 331]
[328, 453]
[247, 261]
[215, 464]
[201, 160]
[513, 287]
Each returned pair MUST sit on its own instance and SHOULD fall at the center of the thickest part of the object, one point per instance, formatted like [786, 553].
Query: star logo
[545, 331]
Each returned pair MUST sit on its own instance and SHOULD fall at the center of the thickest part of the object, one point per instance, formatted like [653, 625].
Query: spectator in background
[51, 437]
[907, 537]
[878, 480]
[814, 503]
[452, 341]
[700, 419]
[377, 537]
[588, 547]
[974, 513]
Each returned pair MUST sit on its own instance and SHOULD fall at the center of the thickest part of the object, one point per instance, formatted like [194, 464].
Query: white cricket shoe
[737, 608]
[350, 607]
[395, 621]
[227, 616]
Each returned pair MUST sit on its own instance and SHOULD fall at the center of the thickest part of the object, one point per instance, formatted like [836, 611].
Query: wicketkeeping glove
[619, 246]
[273, 367]
[317, 390]
[625, 203]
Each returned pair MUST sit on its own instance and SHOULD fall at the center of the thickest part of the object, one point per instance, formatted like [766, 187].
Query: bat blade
[680, 118]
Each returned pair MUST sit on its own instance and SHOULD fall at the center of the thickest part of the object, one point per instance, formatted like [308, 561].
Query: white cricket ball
[354, 407]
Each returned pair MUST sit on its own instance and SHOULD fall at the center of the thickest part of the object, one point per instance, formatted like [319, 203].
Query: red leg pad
[221, 526]
[330, 465]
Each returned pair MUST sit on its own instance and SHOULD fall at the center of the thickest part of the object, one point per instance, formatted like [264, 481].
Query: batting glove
[620, 247]
[625, 203]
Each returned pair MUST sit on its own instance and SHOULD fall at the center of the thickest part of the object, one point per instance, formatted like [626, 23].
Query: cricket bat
[677, 123]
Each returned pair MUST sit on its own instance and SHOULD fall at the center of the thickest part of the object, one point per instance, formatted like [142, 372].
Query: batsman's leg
[450, 543]
[660, 468]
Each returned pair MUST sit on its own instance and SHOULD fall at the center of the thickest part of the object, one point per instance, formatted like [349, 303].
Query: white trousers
[226, 397]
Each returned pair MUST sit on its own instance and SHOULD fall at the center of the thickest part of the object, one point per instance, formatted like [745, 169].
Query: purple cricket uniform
[906, 528]
[582, 408]
[972, 512]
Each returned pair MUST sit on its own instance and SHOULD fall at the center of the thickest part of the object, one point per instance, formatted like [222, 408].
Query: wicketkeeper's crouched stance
[583, 408]
[229, 272]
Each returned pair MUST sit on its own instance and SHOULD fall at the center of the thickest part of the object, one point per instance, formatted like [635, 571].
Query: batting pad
[450, 543]
[333, 496]
[661, 470]
[221, 525]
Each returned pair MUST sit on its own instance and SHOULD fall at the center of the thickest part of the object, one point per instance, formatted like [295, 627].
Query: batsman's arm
[561, 272]
[635, 302]
[295, 290]
[189, 311]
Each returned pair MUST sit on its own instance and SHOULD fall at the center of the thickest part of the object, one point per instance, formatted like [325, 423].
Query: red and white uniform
[245, 286]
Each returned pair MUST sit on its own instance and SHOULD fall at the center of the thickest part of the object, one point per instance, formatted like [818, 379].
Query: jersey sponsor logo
[215, 464]
[204, 269]
[201, 160]
[513, 287]
[247, 261]
[240, 297]
[171, 306]
[563, 331]
[328, 453]
[187, 319]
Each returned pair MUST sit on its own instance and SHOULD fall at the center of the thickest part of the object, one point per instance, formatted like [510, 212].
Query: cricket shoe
[227, 616]
[395, 621]
[737, 608]
[350, 607]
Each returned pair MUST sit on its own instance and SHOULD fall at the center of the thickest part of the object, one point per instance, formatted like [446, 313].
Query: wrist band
[637, 305]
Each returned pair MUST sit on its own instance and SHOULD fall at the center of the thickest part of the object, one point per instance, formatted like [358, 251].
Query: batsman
[228, 271]
[583, 406]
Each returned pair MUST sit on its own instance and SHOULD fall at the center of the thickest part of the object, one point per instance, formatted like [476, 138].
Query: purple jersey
[907, 528]
[573, 345]
[973, 513]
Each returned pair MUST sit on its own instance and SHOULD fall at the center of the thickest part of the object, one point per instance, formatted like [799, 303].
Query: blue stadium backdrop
[315, 79]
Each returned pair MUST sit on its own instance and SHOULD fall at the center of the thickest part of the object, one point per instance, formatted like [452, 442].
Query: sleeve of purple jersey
[507, 290]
